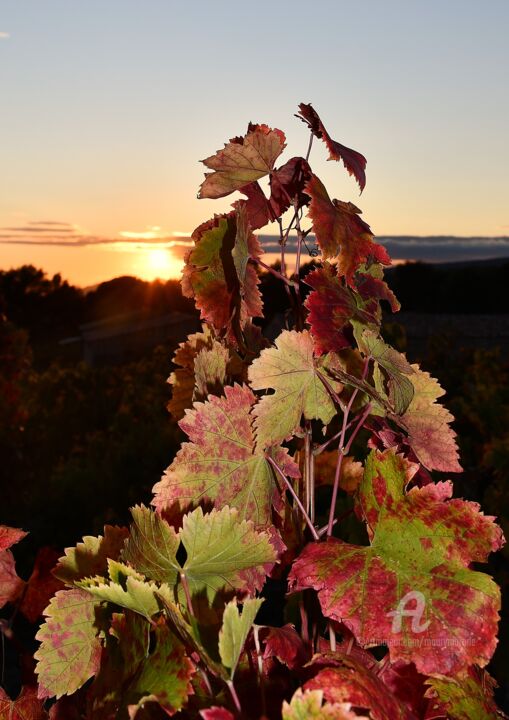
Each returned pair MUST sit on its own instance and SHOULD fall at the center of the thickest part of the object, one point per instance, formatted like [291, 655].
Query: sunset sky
[107, 106]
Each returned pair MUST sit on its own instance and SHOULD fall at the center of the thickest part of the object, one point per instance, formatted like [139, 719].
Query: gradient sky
[108, 105]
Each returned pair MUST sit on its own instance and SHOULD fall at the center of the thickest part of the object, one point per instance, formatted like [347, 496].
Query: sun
[160, 263]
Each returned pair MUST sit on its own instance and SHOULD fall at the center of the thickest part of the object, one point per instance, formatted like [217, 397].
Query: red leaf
[26, 706]
[341, 233]
[349, 680]
[331, 307]
[221, 463]
[287, 646]
[287, 183]
[11, 585]
[217, 713]
[42, 584]
[353, 161]
[402, 590]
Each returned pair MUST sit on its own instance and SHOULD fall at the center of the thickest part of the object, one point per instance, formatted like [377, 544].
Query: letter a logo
[415, 612]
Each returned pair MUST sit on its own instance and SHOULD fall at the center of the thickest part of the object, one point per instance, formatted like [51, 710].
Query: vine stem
[342, 448]
[187, 593]
[235, 697]
[271, 270]
[288, 484]
[256, 630]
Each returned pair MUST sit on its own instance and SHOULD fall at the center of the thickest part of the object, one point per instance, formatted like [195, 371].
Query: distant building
[121, 338]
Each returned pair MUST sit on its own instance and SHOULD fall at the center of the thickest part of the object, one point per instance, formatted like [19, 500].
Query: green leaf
[468, 698]
[125, 588]
[164, 677]
[291, 370]
[235, 629]
[70, 651]
[152, 546]
[90, 557]
[223, 552]
[400, 389]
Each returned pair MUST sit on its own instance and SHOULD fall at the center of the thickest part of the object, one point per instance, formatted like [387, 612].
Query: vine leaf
[200, 369]
[70, 650]
[234, 631]
[403, 588]
[285, 644]
[90, 557]
[41, 585]
[291, 371]
[27, 706]
[354, 162]
[465, 698]
[216, 713]
[221, 463]
[242, 161]
[217, 273]
[165, 676]
[124, 587]
[427, 424]
[11, 585]
[152, 545]
[341, 233]
[332, 306]
[224, 552]
[400, 389]
[309, 704]
[349, 680]
[286, 184]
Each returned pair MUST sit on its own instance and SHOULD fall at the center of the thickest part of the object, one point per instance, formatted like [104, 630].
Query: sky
[107, 107]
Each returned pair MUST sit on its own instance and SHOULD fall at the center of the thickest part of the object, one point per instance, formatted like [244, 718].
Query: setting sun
[159, 263]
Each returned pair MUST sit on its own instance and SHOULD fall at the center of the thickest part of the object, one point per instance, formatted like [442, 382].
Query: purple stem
[294, 495]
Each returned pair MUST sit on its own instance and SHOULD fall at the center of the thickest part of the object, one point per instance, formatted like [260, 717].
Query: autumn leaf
[397, 385]
[224, 552]
[234, 631]
[331, 308]
[41, 585]
[349, 680]
[221, 463]
[200, 369]
[285, 644]
[341, 233]
[217, 273]
[27, 706]
[242, 161]
[90, 557]
[465, 698]
[309, 704]
[126, 588]
[427, 423]
[70, 650]
[292, 372]
[216, 713]
[287, 184]
[152, 545]
[11, 586]
[164, 677]
[418, 564]
[354, 162]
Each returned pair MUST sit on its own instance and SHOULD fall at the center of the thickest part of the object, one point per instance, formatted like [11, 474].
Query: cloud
[52, 233]
[4, 35]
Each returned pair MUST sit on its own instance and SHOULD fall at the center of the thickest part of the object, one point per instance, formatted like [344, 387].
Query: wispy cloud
[52, 233]
[4, 35]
